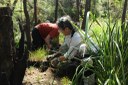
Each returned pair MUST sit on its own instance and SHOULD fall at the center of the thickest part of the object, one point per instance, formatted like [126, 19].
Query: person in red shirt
[43, 33]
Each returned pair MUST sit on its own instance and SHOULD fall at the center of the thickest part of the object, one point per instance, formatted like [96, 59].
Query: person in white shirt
[73, 48]
[70, 48]
[72, 38]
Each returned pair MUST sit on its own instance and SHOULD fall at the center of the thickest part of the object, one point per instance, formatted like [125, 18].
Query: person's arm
[72, 51]
[61, 58]
[47, 40]
[74, 45]
[54, 33]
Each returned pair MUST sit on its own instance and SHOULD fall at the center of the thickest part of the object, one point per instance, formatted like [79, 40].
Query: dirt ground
[34, 76]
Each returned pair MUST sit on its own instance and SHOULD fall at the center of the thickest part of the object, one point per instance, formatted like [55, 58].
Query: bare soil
[34, 76]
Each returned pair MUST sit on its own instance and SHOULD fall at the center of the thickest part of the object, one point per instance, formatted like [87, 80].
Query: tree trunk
[27, 26]
[7, 49]
[78, 9]
[124, 14]
[13, 6]
[20, 61]
[94, 2]
[87, 8]
[56, 11]
[35, 11]
[56, 14]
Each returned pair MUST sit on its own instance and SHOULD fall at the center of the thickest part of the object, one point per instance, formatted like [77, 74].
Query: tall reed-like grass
[111, 68]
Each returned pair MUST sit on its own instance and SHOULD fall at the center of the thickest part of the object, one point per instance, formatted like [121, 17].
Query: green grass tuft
[38, 55]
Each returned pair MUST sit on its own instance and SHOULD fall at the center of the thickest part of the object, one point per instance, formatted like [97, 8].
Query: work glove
[54, 62]
[50, 57]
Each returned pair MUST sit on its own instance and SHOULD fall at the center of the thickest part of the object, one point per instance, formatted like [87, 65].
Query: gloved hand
[54, 62]
[55, 55]
[50, 57]
[61, 58]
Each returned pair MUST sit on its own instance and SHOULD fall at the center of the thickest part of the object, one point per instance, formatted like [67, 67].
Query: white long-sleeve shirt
[70, 44]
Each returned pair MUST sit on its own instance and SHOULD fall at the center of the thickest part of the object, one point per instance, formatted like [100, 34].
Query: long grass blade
[117, 79]
[122, 65]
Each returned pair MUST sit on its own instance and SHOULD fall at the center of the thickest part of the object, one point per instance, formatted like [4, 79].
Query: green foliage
[38, 55]
[45, 10]
[67, 7]
[100, 8]
[61, 38]
[111, 68]
[43, 14]
[65, 81]
[104, 27]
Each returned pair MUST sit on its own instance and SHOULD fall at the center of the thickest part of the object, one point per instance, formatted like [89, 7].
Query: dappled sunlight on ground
[34, 76]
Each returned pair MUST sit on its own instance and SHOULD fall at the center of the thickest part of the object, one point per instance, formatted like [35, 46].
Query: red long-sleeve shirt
[48, 28]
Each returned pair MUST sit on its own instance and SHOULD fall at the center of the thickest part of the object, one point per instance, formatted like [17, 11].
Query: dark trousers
[68, 69]
[37, 42]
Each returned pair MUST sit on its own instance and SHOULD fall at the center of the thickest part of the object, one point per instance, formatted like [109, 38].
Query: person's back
[48, 28]
[43, 33]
